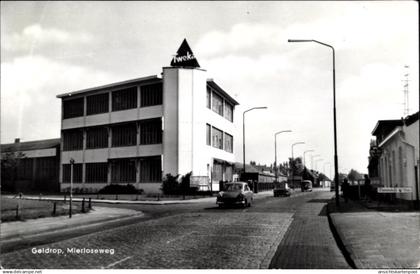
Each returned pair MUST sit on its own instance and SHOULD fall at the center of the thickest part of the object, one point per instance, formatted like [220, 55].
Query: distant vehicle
[237, 193]
[332, 186]
[306, 185]
[281, 189]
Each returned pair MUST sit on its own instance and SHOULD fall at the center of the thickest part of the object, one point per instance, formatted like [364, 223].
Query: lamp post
[310, 150]
[243, 131]
[316, 162]
[275, 151]
[71, 186]
[327, 163]
[298, 143]
[337, 202]
[312, 160]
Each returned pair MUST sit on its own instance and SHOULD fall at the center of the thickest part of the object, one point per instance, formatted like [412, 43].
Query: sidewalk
[377, 239]
[20, 230]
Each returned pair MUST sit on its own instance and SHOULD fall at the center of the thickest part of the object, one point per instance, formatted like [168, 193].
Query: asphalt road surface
[281, 232]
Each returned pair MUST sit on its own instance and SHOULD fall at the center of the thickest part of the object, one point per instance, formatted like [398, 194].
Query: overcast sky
[49, 48]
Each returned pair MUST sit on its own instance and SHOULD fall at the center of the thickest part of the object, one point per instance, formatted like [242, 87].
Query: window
[46, 168]
[217, 138]
[124, 99]
[24, 169]
[151, 132]
[123, 171]
[124, 135]
[228, 113]
[96, 172]
[208, 101]
[96, 137]
[73, 108]
[228, 143]
[73, 139]
[151, 95]
[77, 173]
[97, 104]
[150, 169]
[217, 104]
[208, 135]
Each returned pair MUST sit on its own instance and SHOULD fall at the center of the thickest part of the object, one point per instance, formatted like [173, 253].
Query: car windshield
[234, 187]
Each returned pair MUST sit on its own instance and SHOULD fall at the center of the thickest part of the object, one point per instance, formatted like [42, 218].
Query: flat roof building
[136, 131]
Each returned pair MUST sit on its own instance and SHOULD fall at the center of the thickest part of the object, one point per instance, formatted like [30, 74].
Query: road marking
[117, 262]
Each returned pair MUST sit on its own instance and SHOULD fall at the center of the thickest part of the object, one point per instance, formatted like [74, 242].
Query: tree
[354, 175]
[9, 166]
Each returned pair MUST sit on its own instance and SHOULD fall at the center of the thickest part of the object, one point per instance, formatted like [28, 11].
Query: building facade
[30, 166]
[136, 131]
[395, 158]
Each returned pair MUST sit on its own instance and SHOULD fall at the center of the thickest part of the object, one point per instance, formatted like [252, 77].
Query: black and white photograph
[209, 135]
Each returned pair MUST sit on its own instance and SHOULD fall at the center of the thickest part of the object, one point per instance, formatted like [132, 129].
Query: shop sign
[394, 190]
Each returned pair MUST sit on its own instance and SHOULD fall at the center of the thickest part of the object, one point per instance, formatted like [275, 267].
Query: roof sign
[184, 57]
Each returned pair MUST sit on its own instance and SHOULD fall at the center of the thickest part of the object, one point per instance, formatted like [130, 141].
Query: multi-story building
[136, 131]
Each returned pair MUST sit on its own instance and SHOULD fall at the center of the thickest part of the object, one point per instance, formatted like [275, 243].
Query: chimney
[17, 140]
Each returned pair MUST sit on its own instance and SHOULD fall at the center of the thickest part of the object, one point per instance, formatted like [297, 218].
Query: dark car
[237, 193]
[306, 185]
[281, 189]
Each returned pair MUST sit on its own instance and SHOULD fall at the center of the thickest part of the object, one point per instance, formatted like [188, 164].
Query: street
[276, 232]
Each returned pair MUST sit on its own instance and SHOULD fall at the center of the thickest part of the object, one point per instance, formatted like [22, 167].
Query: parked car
[306, 185]
[237, 193]
[281, 189]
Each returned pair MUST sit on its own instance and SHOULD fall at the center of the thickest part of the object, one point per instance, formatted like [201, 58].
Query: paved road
[292, 230]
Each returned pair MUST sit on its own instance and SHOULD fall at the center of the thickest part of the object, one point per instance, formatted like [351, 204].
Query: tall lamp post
[243, 131]
[309, 150]
[275, 151]
[316, 163]
[337, 202]
[312, 160]
[298, 143]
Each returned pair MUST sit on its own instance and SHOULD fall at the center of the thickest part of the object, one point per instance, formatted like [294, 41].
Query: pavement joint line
[117, 262]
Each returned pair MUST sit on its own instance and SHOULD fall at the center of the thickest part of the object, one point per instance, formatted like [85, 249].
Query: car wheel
[221, 206]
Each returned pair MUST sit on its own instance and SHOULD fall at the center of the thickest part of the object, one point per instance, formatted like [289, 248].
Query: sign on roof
[184, 57]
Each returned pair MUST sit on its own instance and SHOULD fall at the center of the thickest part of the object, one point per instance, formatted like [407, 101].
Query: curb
[168, 202]
[338, 239]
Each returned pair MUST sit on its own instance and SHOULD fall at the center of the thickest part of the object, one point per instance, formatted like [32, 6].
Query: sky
[49, 48]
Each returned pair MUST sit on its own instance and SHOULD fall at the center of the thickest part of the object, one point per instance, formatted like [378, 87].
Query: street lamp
[298, 143]
[312, 160]
[275, 151]
[310, 150]
[71, 186]
[334, 111]
[243, 132]
[316, 162]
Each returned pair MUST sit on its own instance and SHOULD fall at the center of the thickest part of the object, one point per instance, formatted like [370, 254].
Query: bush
[120, 189]
[170, 184]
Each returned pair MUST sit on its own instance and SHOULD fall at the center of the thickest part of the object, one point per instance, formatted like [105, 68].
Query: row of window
[150, 95]
[122, 171]
[121, 135]
[216, 103]
[38, 169]
[219, 139]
